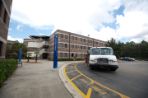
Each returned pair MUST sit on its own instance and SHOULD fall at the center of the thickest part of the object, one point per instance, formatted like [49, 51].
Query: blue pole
[20, 56]
[55, 64]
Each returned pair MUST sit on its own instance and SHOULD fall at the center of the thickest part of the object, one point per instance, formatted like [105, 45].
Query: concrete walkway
[35, 80]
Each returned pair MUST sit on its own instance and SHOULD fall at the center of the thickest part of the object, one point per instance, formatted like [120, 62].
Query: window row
[63, 36]
[3, 12]
[62, 45]
[72, 55]
[74, 38]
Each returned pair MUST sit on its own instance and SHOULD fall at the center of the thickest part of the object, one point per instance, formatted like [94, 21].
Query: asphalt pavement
[87, 87]
[130, 79]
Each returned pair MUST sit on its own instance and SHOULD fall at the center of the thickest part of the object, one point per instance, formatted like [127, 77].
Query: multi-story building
[37, 46]
[73, 46]
[5, 10]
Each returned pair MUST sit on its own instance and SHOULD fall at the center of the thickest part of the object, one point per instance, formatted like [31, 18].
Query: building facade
[72, 46]
[5, 10]
[37, 46]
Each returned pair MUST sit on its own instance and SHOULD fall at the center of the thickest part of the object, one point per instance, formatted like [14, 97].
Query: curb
[69, 87]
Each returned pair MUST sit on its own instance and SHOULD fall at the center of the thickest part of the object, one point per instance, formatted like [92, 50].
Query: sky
[123, 20]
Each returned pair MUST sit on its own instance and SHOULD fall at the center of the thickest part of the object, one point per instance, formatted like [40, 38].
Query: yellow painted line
[121, 95]
[75, 87]
[103, 86]
[92, 81]
[84, 81]
[99, 90]
[76, 77]
[89, 93]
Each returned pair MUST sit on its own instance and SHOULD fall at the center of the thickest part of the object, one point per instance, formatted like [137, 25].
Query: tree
[144, 49]
[116, 46]
[13, 48]
[129, 49]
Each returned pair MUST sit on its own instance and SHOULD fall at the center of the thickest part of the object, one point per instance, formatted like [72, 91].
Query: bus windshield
[101, 51]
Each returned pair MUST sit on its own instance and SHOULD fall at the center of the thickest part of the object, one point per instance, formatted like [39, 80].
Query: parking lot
[130, 79]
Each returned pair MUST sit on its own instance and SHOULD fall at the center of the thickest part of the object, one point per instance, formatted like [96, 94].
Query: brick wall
[73, 45]
[5, 9]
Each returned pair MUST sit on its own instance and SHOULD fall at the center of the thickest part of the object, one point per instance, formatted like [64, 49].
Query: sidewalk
[35, 80]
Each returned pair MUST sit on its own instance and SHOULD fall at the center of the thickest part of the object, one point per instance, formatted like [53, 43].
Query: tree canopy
[129, 49]
[13, 48]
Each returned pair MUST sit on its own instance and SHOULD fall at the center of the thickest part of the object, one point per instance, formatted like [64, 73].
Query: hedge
[7, 67]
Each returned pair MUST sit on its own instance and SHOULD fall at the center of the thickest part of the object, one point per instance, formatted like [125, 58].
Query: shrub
[7, 67]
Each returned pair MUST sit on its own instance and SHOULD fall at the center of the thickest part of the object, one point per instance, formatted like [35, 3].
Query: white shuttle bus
[102, 57]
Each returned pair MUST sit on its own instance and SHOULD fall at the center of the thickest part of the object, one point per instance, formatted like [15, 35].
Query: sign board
[20, 56]
[55, 63]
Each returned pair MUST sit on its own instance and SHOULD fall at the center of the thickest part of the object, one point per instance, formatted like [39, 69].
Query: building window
[72, 46]
[5, 17]
[1, 45]
[75, 46]
[0, 3]
[0, 7]
[82, 40]
[81, 47]
[60, 45]
[81, 55]
[75, 38]
[61, 54]
[66, 37]
[90, 41]
[65, 45]
[61, 35]
[72, 37]
[72, 55]
[65, 55]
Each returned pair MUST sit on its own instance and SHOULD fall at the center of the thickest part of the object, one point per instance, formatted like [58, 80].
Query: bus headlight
[93, 61]
[112, 62]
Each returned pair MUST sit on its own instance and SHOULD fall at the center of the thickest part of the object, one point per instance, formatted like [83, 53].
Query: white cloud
[10, 29]
[15, 39]
[135, 20]
[132, 23]
[139, 39]
[146, 38]
[84, 16]
[18, 27]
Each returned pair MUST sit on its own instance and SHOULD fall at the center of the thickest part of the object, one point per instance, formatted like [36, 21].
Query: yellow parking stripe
[89, 93]
[76, 77]
[99, 90]
[92, 81]
[121, 95]
[75, 87]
